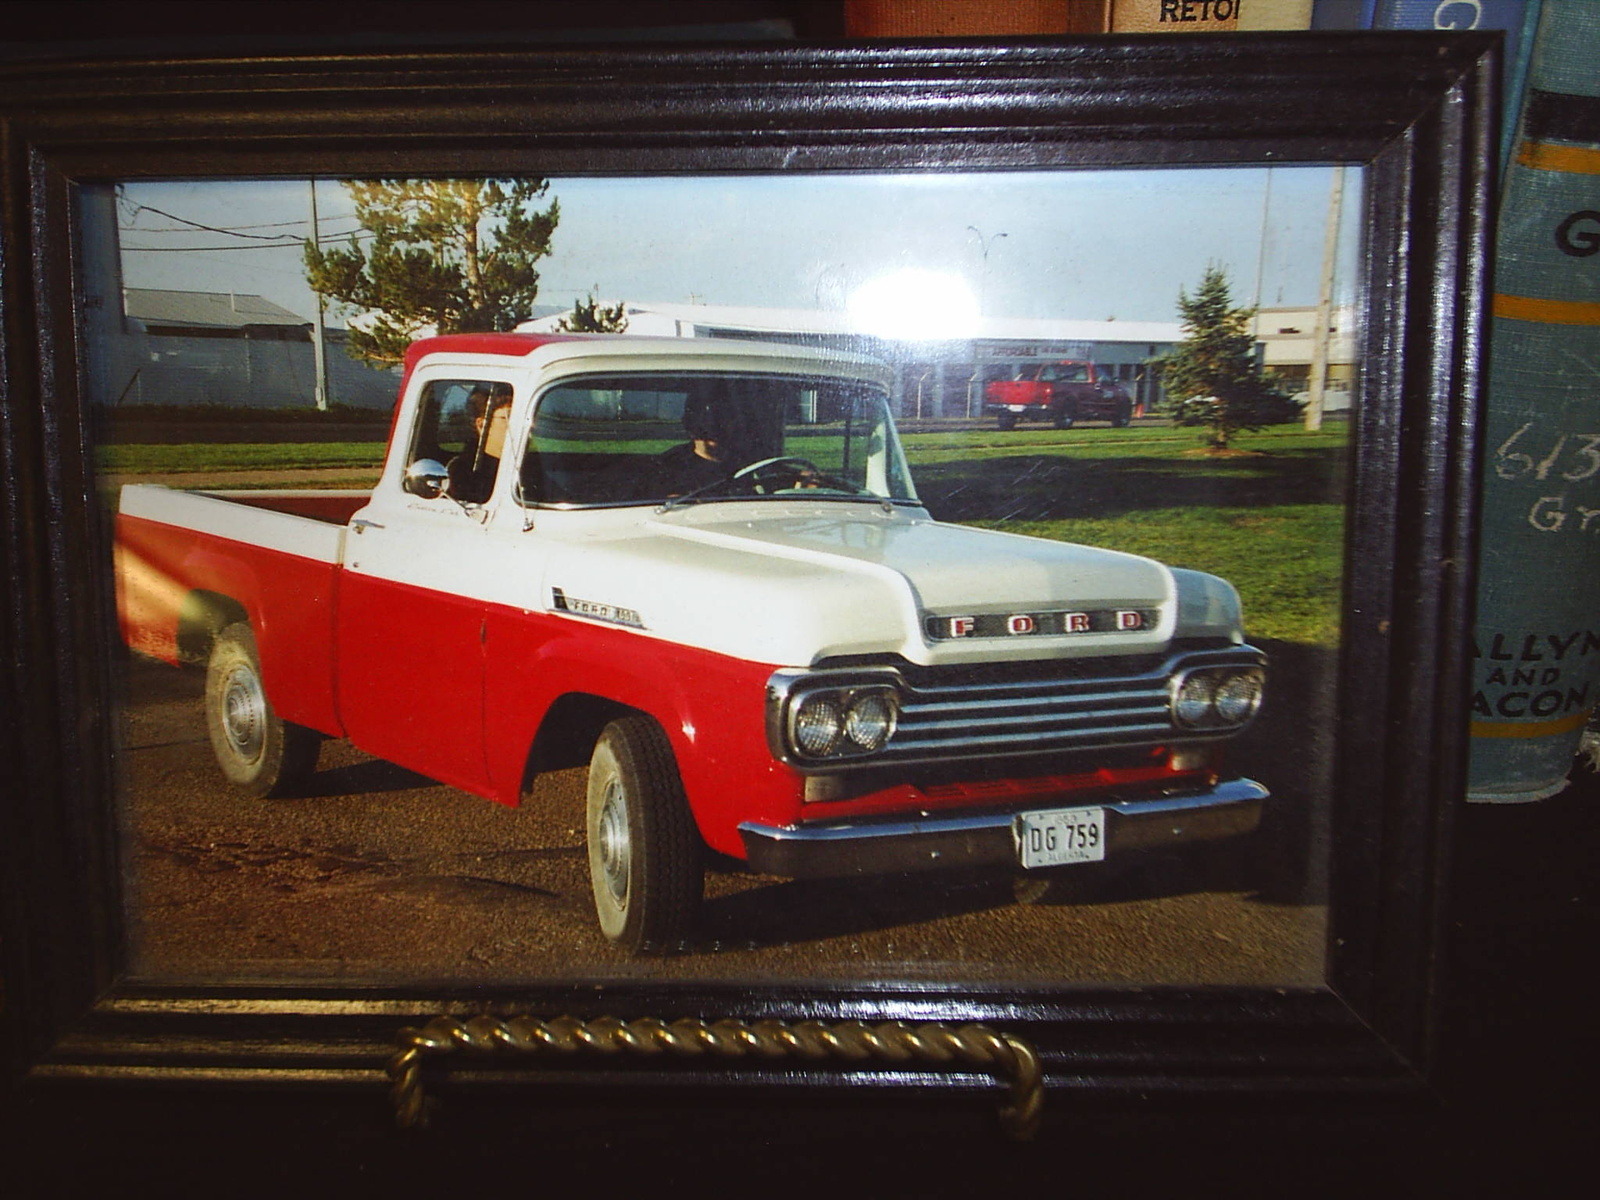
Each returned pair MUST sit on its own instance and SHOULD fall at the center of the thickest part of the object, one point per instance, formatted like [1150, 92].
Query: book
[1517, 19]
[1000, 18]
[972, 18]
[1536, 671]
[1207, 16]
[1344, 15]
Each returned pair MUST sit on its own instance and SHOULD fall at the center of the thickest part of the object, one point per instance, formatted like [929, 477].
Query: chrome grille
[946, 714]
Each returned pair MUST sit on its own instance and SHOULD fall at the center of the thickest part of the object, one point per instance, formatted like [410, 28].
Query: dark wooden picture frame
[1415, 111]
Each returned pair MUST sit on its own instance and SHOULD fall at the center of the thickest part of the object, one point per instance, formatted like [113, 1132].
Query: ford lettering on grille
[1034, 624]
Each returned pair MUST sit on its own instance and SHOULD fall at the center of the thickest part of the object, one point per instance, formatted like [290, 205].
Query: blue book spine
[1342, 14]
[1537, 637]
[1517, 19]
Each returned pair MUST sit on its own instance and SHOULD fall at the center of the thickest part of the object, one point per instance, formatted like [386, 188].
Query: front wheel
[1063, 418]
[1007, 420]
[645, 857]
[260, 753]
[1123, 417]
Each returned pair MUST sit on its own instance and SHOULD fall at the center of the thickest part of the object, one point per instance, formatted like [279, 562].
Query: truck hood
[792, 584]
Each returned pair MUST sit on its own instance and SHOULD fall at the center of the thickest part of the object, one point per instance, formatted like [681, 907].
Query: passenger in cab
[472, 471]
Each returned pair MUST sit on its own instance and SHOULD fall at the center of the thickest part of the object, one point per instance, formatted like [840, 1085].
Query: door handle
[360, 524]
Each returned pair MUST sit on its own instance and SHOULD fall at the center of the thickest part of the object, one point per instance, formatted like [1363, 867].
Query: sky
[1084, 245]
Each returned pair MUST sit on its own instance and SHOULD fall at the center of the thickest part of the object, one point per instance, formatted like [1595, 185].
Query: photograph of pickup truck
[758, 639]
[1062, 393]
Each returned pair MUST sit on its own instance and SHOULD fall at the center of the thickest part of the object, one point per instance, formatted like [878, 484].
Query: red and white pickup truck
[699, 567]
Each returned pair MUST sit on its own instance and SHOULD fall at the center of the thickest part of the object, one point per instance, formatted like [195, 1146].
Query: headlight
[1193, 703]
[1238, 696]
[1217, 697]
[826, 724]
[818, 725]
[869, 720]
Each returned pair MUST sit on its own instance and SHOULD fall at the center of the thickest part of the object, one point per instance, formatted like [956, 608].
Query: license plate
[1060, 836]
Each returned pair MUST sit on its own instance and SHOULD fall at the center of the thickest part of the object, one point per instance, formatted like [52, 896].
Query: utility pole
[1261, 244]
[319, 333]
[985, 244]
[1323, 332]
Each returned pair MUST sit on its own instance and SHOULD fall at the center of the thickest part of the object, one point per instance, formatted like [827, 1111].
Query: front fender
[711, 707]
[1208, 607]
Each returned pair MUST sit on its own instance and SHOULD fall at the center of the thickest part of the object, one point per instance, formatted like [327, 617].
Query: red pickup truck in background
[1062, 393]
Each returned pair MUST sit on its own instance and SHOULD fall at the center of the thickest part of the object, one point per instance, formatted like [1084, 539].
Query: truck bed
[189, 563]
[333, 507]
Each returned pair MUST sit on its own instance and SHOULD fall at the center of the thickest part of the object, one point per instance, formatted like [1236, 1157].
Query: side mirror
[428, 478]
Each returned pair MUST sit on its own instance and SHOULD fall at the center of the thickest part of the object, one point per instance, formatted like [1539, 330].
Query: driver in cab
[724, 446]
[707, 457]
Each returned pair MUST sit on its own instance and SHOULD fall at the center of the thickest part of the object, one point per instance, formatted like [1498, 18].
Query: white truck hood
[792, 584]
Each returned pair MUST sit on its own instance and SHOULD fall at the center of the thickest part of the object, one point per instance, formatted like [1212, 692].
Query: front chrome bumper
[831, 849]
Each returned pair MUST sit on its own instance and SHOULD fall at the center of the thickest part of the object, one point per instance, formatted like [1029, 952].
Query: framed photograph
[740, 572]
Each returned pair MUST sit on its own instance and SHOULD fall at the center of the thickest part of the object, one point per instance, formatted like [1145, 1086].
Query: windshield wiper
[693, 495]
[821, 482]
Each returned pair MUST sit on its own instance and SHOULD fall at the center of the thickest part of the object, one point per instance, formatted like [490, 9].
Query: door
[411, 608]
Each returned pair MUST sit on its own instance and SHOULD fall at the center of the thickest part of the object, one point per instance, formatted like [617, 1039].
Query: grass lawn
[1269, 519]
[141, 459]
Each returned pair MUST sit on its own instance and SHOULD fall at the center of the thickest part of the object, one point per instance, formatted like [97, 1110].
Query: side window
[462, 423]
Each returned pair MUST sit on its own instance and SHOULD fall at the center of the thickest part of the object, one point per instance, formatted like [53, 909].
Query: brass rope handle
[1003, 1055]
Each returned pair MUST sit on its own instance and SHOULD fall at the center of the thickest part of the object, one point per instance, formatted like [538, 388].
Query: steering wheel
[791, 468]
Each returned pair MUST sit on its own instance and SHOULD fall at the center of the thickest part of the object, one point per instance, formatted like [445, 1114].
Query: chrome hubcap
[613, 837]
[244, 713]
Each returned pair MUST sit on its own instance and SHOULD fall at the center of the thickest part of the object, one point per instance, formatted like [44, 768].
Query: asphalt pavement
[379, 875]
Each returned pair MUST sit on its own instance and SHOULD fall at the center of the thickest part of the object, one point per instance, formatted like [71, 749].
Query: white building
[1286, 340]
[944, 378]
[933, 378]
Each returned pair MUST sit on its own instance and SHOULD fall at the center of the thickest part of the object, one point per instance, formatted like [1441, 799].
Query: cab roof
[520, 345]
[513, 345]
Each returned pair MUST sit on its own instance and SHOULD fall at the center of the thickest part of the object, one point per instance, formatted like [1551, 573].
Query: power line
[209, 228]
[325, 239]
[186, 225]
[230, 229]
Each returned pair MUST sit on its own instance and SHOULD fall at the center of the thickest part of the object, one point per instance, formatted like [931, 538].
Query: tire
[646, 860]
[260, 753]
[1063, 418]
[1123, 417]
[1006, 420]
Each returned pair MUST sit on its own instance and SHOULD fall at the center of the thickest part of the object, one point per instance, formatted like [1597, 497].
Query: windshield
[645, 438]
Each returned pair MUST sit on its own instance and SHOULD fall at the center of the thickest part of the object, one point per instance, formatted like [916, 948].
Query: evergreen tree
[590, 316]
[1212, 379]
[453, 255]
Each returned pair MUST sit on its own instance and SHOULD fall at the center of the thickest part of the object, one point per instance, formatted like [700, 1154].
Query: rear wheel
[1123, 417]
[260, 753]
[646, 863]
[1063, 418]
[1007, 420]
